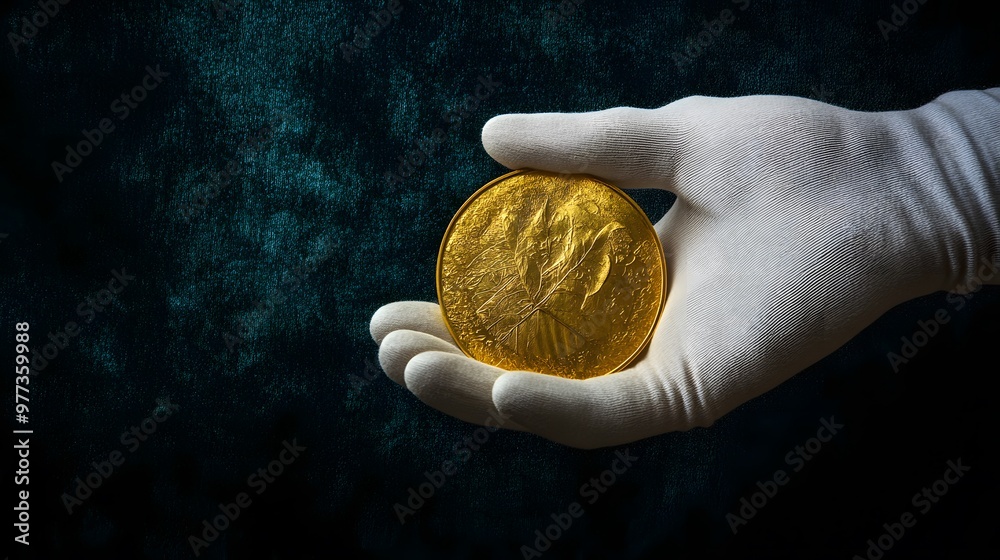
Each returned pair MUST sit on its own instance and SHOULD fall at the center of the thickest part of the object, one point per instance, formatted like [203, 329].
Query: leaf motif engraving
[550, 262]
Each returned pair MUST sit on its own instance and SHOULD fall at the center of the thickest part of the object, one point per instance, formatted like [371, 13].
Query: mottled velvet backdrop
[242, 183]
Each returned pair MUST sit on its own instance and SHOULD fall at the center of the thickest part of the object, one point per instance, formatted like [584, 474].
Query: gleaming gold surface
[561, 275]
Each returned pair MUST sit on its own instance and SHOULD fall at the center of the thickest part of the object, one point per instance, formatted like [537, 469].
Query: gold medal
[554, 274]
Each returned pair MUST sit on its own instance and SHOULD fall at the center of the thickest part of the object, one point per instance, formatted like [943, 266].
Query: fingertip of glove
[419, 370]
[514, 392]
[379, 326]
[414, 315]
[496, 137]
[390, 358]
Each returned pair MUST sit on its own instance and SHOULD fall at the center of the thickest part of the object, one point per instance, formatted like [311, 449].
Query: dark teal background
[312, 195]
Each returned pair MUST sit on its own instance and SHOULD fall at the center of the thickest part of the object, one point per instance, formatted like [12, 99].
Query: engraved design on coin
[543, 273]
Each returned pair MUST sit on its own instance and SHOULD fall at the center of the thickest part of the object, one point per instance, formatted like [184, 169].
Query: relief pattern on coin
[554, 274]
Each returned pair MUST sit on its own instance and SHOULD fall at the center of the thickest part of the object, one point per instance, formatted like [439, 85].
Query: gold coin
[554, 274]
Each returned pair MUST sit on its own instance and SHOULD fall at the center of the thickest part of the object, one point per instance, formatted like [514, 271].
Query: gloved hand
[796, 225]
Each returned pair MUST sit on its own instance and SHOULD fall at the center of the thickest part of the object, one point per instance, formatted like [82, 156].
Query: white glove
[796, 225]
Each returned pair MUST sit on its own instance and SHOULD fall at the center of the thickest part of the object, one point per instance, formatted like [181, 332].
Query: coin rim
[663, 264]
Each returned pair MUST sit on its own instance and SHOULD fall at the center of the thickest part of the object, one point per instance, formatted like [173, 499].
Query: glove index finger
[634, 148]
